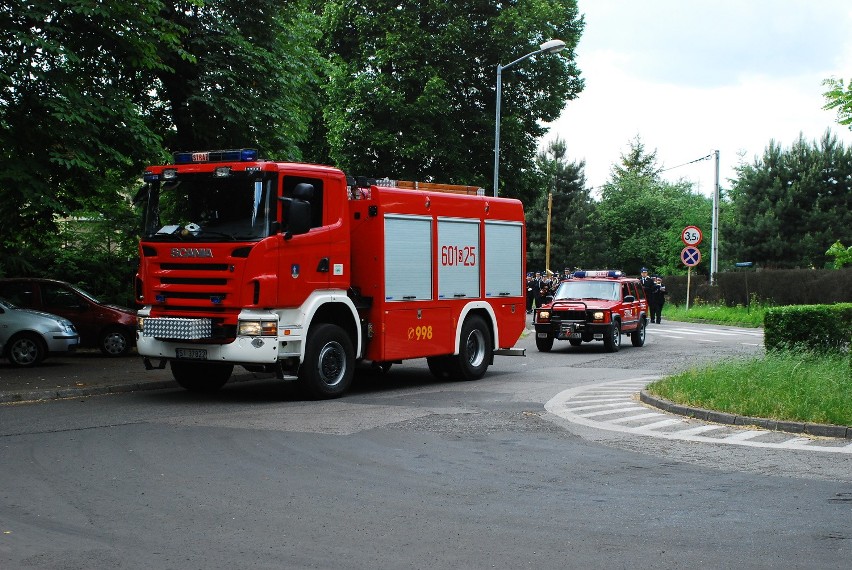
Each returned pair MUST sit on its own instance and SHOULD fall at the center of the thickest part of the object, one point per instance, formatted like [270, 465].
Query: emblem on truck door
[294, 271]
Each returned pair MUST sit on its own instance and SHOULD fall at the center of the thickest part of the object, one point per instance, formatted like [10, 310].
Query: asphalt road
[406, 472]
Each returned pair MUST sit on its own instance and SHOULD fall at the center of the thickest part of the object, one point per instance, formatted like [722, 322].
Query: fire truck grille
[191, 281]
[194, 266]
[178, 328]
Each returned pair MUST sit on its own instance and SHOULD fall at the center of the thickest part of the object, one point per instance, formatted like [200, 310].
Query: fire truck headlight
[257, 328]
[543, 316]
[598, 316]
[140, 323]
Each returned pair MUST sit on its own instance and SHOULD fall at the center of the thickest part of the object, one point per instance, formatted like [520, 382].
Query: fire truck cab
[297, 269]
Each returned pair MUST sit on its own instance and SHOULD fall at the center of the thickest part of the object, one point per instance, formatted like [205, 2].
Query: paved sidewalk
[84, 373]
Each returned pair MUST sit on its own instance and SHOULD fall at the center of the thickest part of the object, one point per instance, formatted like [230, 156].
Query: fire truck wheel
[329, 362]
[612, 341]
[543, 344]
[201, 376]
[115, 342]
[638, 337]
[475, 350]
[439, 366]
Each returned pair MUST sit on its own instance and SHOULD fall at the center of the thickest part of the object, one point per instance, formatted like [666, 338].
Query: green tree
[642, 217]
[790, 205]
[411, 92]
[839, 97]
[91, 91]
[572, 236]
[842, 255]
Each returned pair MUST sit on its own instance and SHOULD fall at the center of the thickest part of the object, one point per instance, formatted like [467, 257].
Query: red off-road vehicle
[593, 305]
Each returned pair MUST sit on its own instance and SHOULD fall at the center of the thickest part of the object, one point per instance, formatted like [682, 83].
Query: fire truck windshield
[578, 289]
[200, 207]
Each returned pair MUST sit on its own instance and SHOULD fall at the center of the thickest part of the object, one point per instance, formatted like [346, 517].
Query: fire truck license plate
[191, 353]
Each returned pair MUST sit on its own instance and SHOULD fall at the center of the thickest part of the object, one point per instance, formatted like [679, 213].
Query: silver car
[27, 337]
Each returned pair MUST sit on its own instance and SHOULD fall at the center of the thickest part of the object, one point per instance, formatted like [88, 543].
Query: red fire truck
[297, 269]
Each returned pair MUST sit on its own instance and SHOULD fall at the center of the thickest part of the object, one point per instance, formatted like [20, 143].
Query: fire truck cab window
[290, 184]
[199, 206]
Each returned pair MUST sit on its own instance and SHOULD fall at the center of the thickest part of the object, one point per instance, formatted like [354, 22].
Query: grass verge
[782, 386]
[739, 316]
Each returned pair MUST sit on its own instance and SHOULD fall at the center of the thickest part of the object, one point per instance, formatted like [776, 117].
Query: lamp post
[552, 46]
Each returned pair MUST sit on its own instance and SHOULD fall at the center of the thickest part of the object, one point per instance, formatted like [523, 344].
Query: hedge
[815, 328]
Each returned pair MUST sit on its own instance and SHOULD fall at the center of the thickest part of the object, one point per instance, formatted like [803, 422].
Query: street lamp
[552, 46]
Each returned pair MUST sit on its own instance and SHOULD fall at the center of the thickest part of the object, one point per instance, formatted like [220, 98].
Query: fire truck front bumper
[258, 341]
[243, 350]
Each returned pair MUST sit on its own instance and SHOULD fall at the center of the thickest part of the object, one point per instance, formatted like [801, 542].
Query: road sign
[690, 256]
[691, 235]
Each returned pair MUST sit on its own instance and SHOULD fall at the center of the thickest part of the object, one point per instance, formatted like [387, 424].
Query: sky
[690, 78]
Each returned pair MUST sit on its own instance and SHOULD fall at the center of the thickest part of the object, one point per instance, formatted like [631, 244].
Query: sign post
[690, 256]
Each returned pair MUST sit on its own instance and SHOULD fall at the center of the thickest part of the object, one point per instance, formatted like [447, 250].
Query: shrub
[818, 328]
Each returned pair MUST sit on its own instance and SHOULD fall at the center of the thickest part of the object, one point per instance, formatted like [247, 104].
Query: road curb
[80, 391]
[822, 430]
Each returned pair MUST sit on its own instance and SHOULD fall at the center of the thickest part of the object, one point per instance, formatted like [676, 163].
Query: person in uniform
[530, 293]
[647, 284]
[657, 300]
[537, 288]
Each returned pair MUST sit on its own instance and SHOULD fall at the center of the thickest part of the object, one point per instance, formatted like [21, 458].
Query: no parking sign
[690, 256]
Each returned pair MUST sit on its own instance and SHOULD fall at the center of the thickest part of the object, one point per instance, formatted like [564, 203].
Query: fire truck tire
[115, 342]
[329, 362]
[439, 366]
[612, 341]
[638, 337]
[543, 344]
[201, 376]
[475, 350]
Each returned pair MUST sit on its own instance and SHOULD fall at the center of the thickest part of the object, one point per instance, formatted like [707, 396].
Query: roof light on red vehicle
[233, 155]
[598, 273]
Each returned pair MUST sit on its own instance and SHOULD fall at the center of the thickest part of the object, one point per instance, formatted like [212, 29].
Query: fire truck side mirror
[297, 217]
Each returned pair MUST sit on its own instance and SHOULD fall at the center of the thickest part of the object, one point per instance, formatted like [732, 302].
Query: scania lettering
[296, 269]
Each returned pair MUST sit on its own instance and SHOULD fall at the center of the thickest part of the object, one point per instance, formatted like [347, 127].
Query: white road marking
[618, 415]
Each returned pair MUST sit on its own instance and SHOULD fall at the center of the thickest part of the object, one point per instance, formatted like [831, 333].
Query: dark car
[110, 328]
[593, 305]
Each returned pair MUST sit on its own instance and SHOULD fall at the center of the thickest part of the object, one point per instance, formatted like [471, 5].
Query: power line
[708, 157]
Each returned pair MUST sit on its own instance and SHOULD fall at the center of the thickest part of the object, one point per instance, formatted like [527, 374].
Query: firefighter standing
[530, 293]
[657, 300]
[647, 284]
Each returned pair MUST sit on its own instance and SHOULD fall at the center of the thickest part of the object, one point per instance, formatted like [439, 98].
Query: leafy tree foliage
[839, 97]
[70, 101]
[791, 204]
[90, 91]
[643, 217]
[412, 85]
[572, 235]
[842, 255]
[250, 79]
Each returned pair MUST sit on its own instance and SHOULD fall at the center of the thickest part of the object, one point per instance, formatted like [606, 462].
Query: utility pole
[549, 215]
[714, 233]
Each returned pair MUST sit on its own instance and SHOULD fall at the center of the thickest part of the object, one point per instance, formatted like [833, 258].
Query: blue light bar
[599, 273]
[233, 155]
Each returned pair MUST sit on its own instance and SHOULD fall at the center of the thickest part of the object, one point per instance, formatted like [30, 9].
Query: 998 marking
[420, 333]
